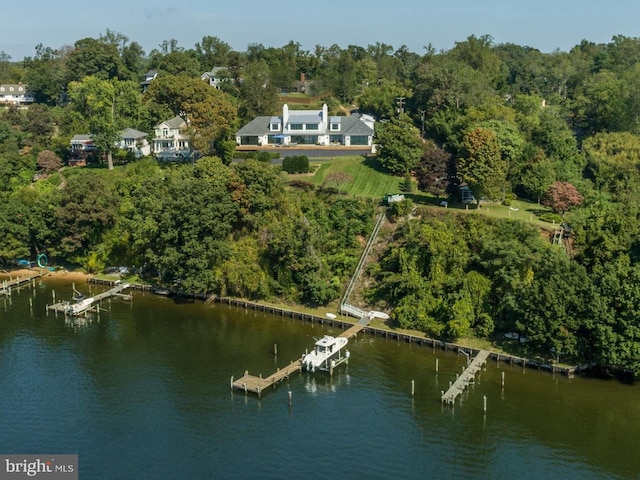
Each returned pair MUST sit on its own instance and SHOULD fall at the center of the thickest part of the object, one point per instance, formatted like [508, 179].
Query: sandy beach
[75, 275]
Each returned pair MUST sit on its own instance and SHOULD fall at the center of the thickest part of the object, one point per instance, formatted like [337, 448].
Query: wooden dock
[7, 285]
[253, 384]
[468, 376]
[351, 332]
[63, 307]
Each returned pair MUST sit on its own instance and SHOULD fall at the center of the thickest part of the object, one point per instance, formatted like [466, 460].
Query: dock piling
[436, 364]
[413, 387]
[485, 404]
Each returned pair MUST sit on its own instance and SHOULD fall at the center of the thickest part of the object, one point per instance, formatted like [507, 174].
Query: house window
[295, 126]
[359, 140]
[335, 138]
[312, 126]
[335, 127]
[305, 139]
[275, 127]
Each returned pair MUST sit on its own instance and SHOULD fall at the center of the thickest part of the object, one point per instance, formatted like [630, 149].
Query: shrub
[264, 157]
[296, 164]
[550, 217]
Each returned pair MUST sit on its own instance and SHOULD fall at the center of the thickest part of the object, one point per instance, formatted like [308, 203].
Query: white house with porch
[170, 142]
[308, 127]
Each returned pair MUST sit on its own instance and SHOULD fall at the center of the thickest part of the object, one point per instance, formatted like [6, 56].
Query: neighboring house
[149, 77]
[299, 86]
[131, 140]
[81, 147]
[308, 127]
[82, 143]
[15, 94]
[135, 141]
[215, 77]
[170, 142]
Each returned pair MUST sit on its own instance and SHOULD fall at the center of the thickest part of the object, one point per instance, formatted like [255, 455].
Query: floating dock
[88, 304]
[467, 377]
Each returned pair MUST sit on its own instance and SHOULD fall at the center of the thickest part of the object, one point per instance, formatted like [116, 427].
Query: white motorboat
[327, 354]
[79, 308]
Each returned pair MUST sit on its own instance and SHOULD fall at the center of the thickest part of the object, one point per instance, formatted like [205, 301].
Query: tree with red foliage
[48, 162]
[562, 195]
[435, 170]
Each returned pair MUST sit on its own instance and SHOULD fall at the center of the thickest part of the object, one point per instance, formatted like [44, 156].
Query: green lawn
[369, 179]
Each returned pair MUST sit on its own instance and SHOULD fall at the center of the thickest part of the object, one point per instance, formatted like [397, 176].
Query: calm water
[143, 392]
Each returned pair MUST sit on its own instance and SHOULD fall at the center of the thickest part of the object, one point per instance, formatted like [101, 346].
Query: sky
[543, 24]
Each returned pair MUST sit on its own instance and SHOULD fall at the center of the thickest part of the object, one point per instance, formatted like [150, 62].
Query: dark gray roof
[257, 126]
[132, 133]
[352, 125]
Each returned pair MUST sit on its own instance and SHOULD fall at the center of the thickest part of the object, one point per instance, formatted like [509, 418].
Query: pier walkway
[87, 305]
[7, 285]
[468, 376]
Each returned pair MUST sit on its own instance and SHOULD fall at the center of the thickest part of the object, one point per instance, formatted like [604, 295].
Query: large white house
[15, 94]
[308, 127]
[170, 142]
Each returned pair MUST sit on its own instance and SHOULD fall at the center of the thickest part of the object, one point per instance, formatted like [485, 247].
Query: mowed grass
[368, 178]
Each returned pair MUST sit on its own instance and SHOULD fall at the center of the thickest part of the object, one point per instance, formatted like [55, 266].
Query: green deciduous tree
[107, 107]
[258, 92]
[91, 57]
[399, 145]
[480, 164]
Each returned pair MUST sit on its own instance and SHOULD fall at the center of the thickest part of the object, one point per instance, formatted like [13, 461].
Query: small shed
[393, 198]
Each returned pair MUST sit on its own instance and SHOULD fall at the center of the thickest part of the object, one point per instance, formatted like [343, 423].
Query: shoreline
[410, 338]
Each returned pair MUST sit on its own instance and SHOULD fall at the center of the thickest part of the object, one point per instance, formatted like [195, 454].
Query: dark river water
[143, 391]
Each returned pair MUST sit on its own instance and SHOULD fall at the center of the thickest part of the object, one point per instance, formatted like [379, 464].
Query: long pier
[468, 376]
[88, 305]
[7, 285]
